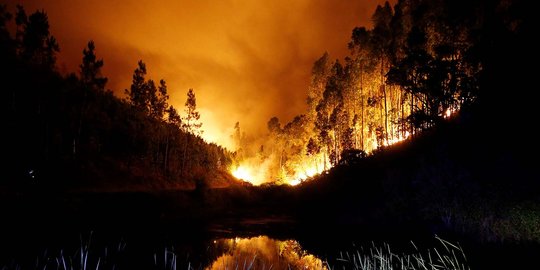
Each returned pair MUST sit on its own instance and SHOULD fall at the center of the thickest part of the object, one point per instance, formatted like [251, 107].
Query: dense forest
[70, 130]
[428, 126]
[420, 63]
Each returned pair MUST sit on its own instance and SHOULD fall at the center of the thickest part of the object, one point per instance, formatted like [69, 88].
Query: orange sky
[247, 60]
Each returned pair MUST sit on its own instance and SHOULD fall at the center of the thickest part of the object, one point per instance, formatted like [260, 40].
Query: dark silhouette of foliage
[91, 69]
[191, 120]
[37, 46]
[139, 93]
[421, 63]
[70, 131]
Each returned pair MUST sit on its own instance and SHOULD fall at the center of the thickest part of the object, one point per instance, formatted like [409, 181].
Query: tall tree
[138, 92]
[190, 123]
[332, 98]
[90, 69]
[158, 101]
[173, 117]
[381, 42]
[413, 73]
[174, 122]
[21, 20]
[39, 47]
[191, 120]
[5, 38]
[238, 138]
[92, 80]
[362, 63]
[319, 76]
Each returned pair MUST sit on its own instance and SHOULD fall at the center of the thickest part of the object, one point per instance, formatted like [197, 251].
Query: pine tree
[190, 123]
[91, 69]
[158, 100]
[191, 120]
[138, 93]
[38, 46]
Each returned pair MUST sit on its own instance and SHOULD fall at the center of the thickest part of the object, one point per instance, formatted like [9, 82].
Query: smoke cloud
[246, 60]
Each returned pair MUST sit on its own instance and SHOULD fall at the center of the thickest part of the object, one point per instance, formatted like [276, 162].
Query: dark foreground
[189, 223]
[449, 182]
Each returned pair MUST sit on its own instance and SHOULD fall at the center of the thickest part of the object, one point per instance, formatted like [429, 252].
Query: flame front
[257, 172]
[363, 114]
[243, 173]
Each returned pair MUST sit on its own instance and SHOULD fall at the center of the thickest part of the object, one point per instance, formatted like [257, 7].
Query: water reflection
[263, 253]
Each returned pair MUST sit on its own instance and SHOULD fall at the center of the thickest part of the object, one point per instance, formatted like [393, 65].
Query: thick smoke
[246, 60]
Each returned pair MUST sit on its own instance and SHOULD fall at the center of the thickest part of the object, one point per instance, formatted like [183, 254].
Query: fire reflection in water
[263, 253]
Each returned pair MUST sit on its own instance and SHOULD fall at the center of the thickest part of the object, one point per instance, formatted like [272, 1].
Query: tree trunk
[324, 158]
[402, 103]
[362, 109]
[385, 105]
[411, 113]
[166, 156]
[185, 153]
[335, 147]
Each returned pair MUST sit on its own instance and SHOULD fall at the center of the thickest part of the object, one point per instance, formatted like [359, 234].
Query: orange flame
[243, 173]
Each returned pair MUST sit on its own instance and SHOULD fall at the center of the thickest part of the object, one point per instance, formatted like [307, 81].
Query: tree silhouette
[191, 121]
[5, 38]
[66, 129]
[380, 43]
[190, 124]
[38, 46]
[173, 117]
[90, 69]
[158, 100]
[138, 92]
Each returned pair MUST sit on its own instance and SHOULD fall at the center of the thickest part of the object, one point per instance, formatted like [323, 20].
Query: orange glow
[243, 173]
[251, 171]
[256, 172]
[306, 169]
[449, 112]
[397, 139]
[239, 56]
[294, 182]
[264, 253]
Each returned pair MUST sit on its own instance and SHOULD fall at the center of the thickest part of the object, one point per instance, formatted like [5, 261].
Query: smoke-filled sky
[246, 60]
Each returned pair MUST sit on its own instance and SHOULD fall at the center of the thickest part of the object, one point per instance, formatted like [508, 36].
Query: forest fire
[372, 98]
[366, 102]
[296, 173]
[396, 133]
[397, 139]
[243, 173]
[259, 173]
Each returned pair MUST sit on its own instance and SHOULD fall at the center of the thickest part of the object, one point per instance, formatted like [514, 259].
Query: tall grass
[167, 260]
[446, 256]
[83, 258]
